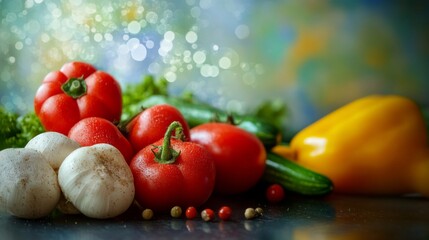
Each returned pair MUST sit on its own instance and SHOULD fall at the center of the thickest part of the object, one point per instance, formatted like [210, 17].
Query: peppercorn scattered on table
[334, 216]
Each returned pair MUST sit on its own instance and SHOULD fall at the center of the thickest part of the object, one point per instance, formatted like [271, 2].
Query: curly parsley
[16, 130]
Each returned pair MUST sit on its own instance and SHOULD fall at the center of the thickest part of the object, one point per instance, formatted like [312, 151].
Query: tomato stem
[125, 125]
[75, 87]
[230, 119]
[166, 153]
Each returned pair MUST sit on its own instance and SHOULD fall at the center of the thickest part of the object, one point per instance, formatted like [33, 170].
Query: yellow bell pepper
[375, 145]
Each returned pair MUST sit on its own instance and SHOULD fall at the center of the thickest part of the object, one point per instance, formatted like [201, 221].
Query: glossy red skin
[93, 130]
[58, 111]
[239, 155]
[225, 213]
[191, 213]
[151, 124]
[275, 193]
[189, 181]
[207, 215]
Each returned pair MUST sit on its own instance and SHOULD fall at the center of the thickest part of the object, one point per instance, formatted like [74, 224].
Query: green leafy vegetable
[272, 111]
[275, 112]
[133, 94]
[8, 128]
[16, 130]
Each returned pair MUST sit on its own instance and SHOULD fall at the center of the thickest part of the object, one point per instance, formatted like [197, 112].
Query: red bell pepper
[75, 92]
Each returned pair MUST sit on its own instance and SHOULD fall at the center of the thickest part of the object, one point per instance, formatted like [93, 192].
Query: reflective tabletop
[297, 217]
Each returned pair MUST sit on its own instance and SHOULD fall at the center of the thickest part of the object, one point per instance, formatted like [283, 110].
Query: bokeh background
[312, 55]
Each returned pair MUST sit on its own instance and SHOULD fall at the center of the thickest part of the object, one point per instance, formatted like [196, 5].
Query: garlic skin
[55, 146]
[28, 184]
[97, 180]
[66, 207]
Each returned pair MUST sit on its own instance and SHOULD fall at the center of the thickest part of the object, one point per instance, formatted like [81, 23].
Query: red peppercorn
[191, 212]
[225, 213]
[207, 215]
[275, 193]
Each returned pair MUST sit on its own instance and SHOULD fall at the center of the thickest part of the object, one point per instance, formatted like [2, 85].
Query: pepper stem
[75, 87]
[166, 153]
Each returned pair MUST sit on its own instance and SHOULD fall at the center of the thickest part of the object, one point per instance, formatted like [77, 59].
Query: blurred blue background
[312, 55]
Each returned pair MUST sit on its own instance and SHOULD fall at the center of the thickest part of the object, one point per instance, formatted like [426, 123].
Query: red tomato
[239, 155]
[75, 92]
[90, 131]
[151, 124]
[162, 182]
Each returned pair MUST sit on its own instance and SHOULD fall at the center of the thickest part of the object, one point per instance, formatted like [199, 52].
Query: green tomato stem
[75, 87]
[123, 125]
[166, 153]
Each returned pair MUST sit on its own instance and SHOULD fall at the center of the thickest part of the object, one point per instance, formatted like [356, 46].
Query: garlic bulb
[55, 146]
[97, 180]
[28, 184]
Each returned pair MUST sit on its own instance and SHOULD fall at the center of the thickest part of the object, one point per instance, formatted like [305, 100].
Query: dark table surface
[329, 217]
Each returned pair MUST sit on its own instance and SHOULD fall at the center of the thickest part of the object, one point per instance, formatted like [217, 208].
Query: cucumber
[197, 113]
[294, 177]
